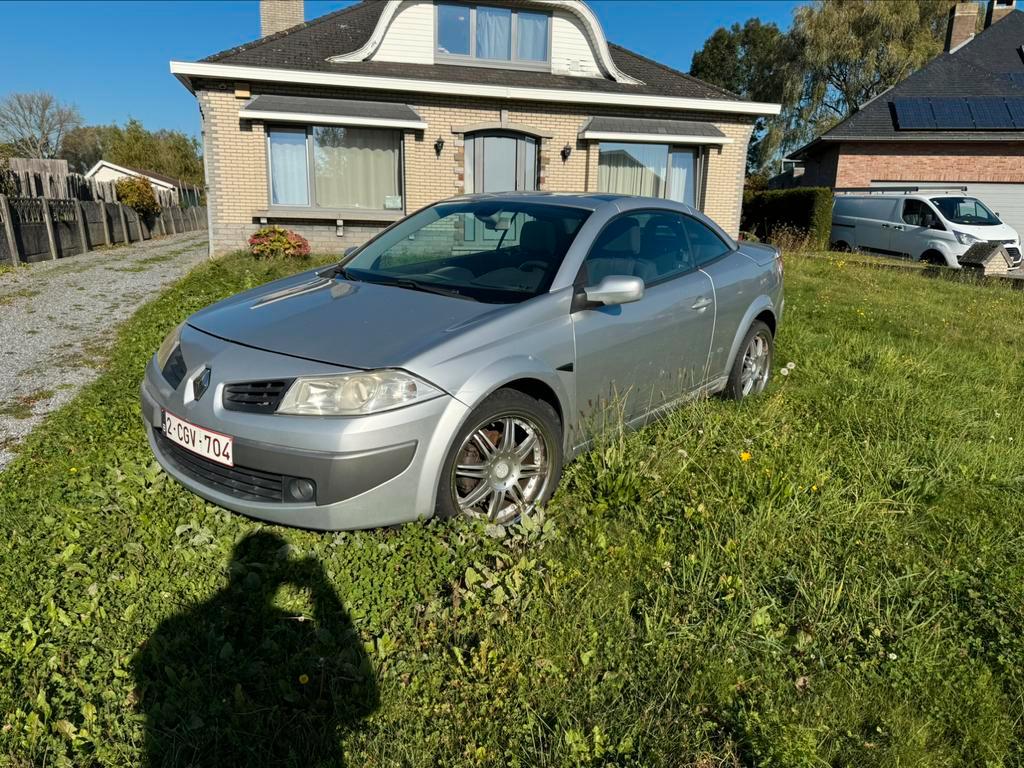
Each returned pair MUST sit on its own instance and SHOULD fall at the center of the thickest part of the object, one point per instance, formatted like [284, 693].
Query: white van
[937, 227]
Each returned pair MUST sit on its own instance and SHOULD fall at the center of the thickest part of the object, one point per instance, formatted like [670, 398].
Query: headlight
[965, 239]
[351, 394]
[167, 347]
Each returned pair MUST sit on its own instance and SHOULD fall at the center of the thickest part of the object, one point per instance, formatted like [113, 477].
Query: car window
[966, 210]
[494, 251]
[705, 245]
[651, 245]
[915, 213]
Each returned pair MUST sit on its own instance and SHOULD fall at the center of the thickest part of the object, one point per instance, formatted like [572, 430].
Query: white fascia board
[304, 117]
[659, 138]
[369, 82]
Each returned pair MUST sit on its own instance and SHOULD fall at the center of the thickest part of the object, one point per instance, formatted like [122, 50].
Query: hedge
[806, 211]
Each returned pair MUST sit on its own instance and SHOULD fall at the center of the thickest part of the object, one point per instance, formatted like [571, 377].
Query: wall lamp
[566, 151]
[438, 146]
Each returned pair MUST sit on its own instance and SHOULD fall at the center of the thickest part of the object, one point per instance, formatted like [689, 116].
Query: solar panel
[1016, 106]
[952, 113]
[1017, 78]
[990, 112]
[914, 113]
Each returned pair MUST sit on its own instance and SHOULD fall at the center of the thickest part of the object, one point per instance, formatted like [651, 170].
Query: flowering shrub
[273, 241]
[137, 193]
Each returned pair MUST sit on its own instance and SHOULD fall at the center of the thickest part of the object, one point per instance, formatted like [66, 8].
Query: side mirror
[350, 250]
[935, 224]
[615, 289]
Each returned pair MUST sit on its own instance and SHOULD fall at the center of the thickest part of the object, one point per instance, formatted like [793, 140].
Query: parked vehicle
[937, 228]
[452, 364]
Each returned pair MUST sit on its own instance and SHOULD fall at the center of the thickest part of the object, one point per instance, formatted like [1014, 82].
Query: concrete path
[57, 319]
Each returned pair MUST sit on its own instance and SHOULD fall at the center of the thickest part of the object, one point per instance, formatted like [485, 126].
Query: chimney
[997, 9]
[962, 19]
[278, 15]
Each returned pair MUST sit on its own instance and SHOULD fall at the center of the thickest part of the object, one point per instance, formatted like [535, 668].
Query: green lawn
[829, 575]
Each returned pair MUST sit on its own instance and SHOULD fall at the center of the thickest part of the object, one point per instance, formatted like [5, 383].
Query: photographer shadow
[238, 681]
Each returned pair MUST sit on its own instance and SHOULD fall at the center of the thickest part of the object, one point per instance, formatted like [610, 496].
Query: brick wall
[237, 161]
[860, 164]
[278, 15]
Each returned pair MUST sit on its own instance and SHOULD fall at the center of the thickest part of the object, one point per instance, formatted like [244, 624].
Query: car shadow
[239, 681]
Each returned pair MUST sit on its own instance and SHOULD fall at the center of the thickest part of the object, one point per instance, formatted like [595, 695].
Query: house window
[500, 162]
[651, 170]
[335, 167]
[492, 35]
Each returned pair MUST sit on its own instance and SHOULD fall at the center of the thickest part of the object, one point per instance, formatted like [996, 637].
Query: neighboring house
[338, 126]
[958, 120]
[104, 170]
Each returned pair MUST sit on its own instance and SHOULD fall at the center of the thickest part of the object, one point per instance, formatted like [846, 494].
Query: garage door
[1005, 199]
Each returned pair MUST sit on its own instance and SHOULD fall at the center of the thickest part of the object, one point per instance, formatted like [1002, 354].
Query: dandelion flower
[303, 679]
[745, 456]
[784, 371]
[791, 365]
[814, 488]
[73, 470]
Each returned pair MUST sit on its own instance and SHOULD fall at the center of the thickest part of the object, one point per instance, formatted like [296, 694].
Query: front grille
[255, 396]
[174, 369]
[242, 483]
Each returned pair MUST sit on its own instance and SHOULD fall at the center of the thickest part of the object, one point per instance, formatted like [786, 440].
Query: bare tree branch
[35, 124]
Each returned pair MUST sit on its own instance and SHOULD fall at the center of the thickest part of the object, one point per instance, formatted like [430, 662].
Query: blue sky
[111, 58]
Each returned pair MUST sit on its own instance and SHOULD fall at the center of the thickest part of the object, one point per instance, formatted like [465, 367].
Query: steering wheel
[533, 264]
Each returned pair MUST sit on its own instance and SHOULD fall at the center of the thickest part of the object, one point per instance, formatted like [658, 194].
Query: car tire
[505, 467]
[757, 350]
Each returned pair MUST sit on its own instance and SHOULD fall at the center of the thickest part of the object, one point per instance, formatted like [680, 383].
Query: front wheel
[505, 461]
[753, 364]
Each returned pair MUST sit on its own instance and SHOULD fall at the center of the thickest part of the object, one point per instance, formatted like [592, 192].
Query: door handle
[701, 304]
[885, 226]
[897, 226]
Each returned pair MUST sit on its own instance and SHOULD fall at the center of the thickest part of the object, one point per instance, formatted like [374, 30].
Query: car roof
[591, 201]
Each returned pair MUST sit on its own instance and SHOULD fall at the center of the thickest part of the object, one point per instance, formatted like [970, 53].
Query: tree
[853, 50]
[36, 123]
[168, 152]
[838, 55]
[83, 147]
[758, 62]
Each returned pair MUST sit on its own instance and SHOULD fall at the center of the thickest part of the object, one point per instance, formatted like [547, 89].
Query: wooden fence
[40, 228]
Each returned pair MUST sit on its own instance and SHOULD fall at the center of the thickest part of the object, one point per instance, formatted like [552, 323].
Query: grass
[828, 575]
[21, 407]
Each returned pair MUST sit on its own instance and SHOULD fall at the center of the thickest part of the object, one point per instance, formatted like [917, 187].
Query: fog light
[301, 490]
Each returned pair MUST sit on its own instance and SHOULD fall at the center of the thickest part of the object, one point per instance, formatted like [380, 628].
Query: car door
[874, 223]
[632, 358]
[910, 234]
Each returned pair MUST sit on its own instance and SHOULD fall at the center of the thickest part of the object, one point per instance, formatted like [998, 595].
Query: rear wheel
[504, 462]
[753, 364]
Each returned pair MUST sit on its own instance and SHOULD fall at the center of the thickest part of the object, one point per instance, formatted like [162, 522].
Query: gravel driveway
[57, 319]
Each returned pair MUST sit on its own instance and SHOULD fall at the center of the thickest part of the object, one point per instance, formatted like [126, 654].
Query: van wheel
[934, 257]
[842, 246]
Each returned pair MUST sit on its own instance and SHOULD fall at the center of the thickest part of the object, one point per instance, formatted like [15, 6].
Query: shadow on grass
[238, 681]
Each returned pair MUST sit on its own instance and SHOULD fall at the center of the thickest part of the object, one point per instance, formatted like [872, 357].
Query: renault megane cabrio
[452, 364]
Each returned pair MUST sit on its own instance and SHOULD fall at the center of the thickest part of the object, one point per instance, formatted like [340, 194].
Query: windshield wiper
[417, 285]
[339, 271]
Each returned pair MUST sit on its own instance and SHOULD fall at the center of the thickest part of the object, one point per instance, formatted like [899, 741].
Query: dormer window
[492, 36]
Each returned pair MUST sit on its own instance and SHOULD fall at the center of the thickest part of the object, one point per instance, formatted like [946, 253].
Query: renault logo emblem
[201, 383]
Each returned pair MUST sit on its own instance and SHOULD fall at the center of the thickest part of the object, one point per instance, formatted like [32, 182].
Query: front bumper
[368, 471]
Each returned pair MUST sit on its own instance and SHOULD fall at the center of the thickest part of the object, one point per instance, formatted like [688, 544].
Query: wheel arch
[762, 309]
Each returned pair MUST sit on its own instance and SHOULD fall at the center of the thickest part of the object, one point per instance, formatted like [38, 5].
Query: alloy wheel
[757, 361]
[502, 469]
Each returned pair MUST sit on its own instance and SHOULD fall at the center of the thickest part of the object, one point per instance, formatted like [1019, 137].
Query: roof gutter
[651, 137]
[185, 71]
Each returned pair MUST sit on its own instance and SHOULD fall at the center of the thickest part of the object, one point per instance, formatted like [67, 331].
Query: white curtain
[355, 167]
[493, 33]
[682, 178]
[632, 169]
[532, 33]
[288, 172]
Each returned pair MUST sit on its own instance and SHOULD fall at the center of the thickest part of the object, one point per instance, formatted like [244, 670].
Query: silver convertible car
[452, 364]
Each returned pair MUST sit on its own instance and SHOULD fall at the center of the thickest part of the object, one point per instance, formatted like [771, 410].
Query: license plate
[202, 442]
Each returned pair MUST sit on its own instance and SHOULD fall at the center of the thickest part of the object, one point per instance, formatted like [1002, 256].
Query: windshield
[965, 210]
[497, 251]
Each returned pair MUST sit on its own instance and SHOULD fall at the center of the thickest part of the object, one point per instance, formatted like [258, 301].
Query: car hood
[989, 232]
[354, 324]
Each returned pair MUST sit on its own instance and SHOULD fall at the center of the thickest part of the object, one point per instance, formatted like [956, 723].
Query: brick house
[338, 126]
[957, 120]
